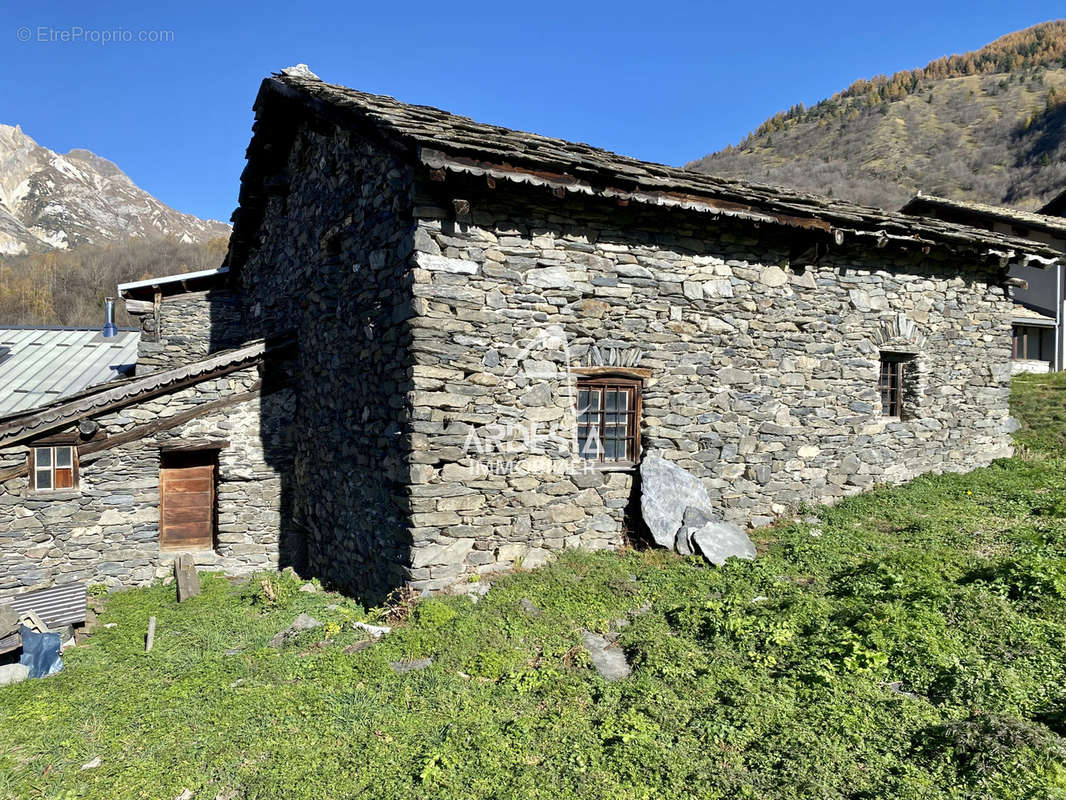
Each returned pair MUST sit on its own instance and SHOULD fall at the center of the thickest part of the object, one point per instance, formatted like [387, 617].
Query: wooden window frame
[1022, 337]
[66, 475]
[633, 389]
[895, 384]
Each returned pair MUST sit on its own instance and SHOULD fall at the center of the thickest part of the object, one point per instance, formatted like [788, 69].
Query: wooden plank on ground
[186, 578]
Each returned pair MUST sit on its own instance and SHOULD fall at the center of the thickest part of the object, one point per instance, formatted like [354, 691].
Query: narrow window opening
[897, 384]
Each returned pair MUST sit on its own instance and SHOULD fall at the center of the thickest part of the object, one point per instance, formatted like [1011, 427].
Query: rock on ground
[373, 630]
[608, 659]
[666, 490]
[13, 673]
[304, 622]
[718, 541]
[529, 606]
[678, 512]
[401, 667]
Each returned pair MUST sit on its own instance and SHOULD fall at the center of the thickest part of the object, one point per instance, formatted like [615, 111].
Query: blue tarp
[40, 652]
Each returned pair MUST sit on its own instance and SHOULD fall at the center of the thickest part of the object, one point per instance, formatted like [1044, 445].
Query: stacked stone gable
[331, 265]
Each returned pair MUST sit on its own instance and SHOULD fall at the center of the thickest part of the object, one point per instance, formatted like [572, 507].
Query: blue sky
[660, 81]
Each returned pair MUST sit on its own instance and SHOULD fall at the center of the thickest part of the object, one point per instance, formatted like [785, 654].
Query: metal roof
[124, 392]
[184, 276]
[43, 365]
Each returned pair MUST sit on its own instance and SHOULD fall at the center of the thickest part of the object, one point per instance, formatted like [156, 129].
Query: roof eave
[991, 247]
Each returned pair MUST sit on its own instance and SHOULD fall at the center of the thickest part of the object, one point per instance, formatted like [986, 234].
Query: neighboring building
[1038, 339]
[40, 365]
[490, 330]
[107, 486]
[1033, 341]
[183, 318]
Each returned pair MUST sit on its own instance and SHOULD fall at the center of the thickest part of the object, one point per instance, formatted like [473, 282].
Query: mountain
[989, 126]
[50, 201]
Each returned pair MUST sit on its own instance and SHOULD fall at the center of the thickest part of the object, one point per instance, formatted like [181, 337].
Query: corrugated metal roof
[121, 393]
[43, 365]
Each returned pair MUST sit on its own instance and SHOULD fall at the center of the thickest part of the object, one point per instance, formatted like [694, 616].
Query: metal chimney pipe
[110, 328]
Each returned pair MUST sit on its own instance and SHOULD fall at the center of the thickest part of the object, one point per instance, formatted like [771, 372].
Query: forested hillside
[68, 287]
[987, 125]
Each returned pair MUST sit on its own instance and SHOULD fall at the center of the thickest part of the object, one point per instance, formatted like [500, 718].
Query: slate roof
[924, 203]
[124, 392]
[1021, 312]
[440, 141]
[42, 365]
[1055, 207]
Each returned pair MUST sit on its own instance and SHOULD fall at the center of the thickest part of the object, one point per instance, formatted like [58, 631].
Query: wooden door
[187, 501]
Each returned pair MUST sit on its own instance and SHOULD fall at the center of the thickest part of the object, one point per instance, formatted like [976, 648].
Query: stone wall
[107, 530]
[331, 264]
[187, 328]
[761, 372]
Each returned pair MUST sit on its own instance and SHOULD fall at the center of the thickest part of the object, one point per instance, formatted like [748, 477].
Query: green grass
[1039, 402]
[912, 645]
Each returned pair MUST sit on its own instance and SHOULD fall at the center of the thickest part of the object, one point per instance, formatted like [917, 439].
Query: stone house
[476, 334]
[494, 326]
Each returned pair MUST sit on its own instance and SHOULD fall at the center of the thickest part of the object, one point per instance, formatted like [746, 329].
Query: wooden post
[187, 579]
[150, 639]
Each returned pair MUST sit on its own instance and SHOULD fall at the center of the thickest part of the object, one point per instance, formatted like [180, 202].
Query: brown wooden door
[187, 502]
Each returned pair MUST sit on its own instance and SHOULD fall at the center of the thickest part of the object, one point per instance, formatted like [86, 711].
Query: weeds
[916, 648]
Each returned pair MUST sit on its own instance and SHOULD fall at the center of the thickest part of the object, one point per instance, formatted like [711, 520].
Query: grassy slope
[911, 645]
[1039, 402]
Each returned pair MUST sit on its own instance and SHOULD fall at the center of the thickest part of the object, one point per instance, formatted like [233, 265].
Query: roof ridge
[440, 141]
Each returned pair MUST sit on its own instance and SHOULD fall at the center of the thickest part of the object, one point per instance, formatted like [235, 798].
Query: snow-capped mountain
[49, 200]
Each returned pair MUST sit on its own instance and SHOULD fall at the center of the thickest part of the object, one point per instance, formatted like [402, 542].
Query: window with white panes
[54, 467]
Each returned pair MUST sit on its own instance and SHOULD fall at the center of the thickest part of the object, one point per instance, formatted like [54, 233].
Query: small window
[1028, 343]
[898, 385]
[891, 386]
[608, 419]
[54, 468]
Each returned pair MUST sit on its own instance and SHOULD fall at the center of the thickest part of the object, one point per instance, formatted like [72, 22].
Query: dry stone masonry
[453, 282]
[451, 291]
[106, 530]
[762, 379]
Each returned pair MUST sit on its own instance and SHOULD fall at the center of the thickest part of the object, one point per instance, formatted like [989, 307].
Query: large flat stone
[718, 541]
[607, 658]
[666, 490]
